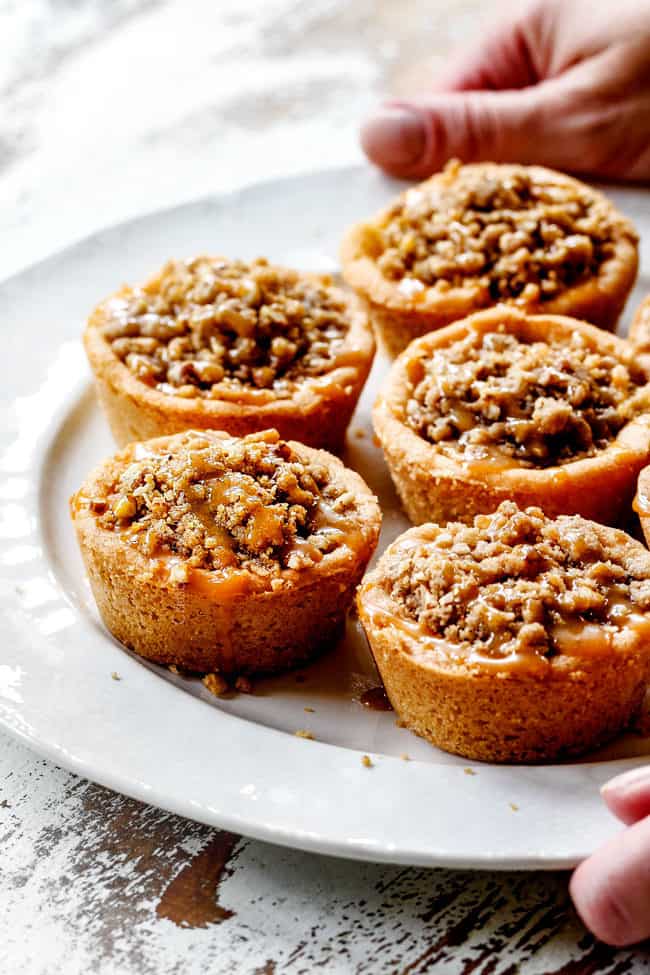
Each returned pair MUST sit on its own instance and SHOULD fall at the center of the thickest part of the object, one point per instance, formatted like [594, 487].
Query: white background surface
[114, 107]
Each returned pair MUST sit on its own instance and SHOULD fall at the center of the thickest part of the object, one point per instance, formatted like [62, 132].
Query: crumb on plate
[216, 684]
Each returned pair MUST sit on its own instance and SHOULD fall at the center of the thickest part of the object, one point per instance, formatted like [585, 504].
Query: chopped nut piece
[514, 806]
[115, 675]
[303, 733]
[405, 757]
[179, 573]
[124, 508]
[469, 771]
[216, 684]
[308, 710]
[366, 761]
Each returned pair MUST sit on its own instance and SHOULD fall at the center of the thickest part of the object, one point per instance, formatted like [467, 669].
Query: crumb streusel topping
[511, 233]
[508, 583]
[539, 403]
[218, 503]
[209, 325]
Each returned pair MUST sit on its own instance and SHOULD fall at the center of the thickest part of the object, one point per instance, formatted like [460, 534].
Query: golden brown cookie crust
[642, 502]
[528, 709]
[316, 412]
[440, 488]
[400, 314]
[231, 621]
[639, 334]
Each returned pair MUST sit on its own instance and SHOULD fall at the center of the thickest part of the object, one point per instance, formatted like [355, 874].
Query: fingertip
[414, 138]
[597, 907]
[619, 805]
[394, 138]
[611, 889]
[628, 795]
[622, 782]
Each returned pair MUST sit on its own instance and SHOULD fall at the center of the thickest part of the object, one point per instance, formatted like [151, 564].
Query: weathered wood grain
[92, 882]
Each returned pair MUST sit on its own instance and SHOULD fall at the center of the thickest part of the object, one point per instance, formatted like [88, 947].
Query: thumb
[628, 795]
[415, 138]
[611, 890]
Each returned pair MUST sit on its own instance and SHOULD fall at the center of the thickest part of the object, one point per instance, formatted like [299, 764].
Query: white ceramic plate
[236, 763]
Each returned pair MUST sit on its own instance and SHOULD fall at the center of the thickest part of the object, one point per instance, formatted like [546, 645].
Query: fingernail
[621, 783]
[394, 137]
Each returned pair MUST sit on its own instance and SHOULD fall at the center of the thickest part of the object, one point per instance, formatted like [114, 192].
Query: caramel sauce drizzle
[375, 699]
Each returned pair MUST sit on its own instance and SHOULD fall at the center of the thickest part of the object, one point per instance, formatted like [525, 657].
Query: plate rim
[259, 827]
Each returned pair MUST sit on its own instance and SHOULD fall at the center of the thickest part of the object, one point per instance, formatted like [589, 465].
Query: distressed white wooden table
[108, 109]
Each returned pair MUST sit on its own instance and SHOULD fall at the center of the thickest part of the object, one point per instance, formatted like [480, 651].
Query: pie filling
[535, 404]
[208, 327]
[226, 504]
[507, 232]
[516, 586]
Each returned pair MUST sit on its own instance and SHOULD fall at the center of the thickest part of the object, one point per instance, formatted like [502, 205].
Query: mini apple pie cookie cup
[516, 639]
[218, 554]
[212, 343]
[541, 409]
[476, 235]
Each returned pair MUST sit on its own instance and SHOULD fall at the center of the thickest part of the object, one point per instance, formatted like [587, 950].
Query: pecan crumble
[207, 325]
[224, 503]
[512, 233]
[540, 403]
[509, 582]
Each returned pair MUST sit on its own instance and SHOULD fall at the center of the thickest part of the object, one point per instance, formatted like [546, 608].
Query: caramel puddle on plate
[376, 699]
[190, 900]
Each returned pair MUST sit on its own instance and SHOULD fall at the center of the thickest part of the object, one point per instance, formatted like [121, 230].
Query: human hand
[611, 890]
[563, 83]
